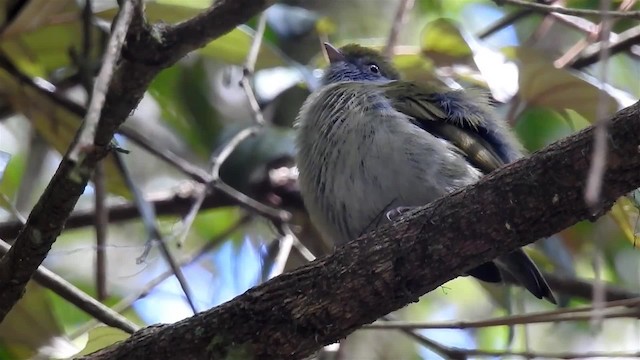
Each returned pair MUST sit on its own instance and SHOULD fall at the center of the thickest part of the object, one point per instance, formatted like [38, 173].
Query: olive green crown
[368, 55]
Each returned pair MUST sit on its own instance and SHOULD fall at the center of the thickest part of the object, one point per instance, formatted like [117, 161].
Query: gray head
[356, 63]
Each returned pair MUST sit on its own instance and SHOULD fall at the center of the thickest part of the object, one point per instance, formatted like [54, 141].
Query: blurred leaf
[326, 27]
[4, 162]
[290, 21]
[621, 213]
[415, 67]
[27, 40]
[537, 127]
[57, 123]
[31, 326]
[233, 48]
[209, 224]
[182, 92]
[443, 43]
[12, 176]
[101, 337]
[542, 84]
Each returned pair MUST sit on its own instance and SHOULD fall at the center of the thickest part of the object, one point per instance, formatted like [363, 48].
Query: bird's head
[357, 63]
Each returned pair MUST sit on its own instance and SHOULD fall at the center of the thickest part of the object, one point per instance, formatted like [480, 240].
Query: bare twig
[126, 302]
[249, 67]
[622, 42]
[404, 6]
[534, 318]
[440, 349]
[101, 224]
[149, 220]
[547, 355]
[570, 11]
[507, 20]
[98, 96]
[284, 250]
[77, 297]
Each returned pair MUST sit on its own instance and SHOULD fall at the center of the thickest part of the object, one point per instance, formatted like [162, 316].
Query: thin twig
[101, 225]
[77, 297]
[13, 210]
[502, 23]
[569, 11]
[621, 42]
[249, 67]
[404, 6]
[545, 355]
[128, 301]
[149, 221]
[284, 250]
[216, 161]
[303, 250]
[539, 318]
[101, 85]
[442, 350]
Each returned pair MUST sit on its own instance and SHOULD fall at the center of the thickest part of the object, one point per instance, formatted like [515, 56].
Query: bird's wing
[450, 116]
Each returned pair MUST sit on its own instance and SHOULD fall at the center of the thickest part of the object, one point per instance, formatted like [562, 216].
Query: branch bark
[297, 313]
[147, 51]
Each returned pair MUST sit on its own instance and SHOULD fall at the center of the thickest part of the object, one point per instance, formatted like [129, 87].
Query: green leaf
[101, 337]
[537, 127]
[443, 43]
[182, 92]
[31, 327]
[4, 162]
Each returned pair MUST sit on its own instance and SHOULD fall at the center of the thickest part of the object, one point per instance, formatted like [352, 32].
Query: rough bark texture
[295, 314]
[147, 51]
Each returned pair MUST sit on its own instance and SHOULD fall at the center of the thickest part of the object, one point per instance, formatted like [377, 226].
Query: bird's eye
[374, 69]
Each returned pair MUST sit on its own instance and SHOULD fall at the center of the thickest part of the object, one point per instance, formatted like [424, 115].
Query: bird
[371, 144]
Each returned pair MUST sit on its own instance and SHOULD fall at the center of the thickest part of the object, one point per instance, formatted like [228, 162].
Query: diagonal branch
[295, 314]
[148, 49]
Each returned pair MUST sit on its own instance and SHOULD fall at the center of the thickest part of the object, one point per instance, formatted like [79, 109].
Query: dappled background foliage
[543, 72]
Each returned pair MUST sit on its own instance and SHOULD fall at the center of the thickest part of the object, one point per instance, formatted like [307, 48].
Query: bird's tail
[520, 266]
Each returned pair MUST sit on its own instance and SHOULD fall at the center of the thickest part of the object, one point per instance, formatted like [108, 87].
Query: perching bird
[369, 143]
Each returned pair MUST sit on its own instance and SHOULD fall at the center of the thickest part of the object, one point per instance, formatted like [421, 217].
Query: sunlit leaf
[101, 337]
[35, 14]
[32, 326]
[442, 42]
[233, 48]
[4, 162]
[626, 219]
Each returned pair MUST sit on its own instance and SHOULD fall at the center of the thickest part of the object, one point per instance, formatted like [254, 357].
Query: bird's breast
[360, 158]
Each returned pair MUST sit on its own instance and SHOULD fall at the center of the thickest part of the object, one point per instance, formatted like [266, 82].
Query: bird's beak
[333, 54]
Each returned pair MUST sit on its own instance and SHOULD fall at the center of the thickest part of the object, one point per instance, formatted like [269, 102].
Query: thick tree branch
[148, 50]
[296, 313]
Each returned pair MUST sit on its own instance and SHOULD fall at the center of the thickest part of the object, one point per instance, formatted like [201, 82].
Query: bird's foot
[395, 214]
